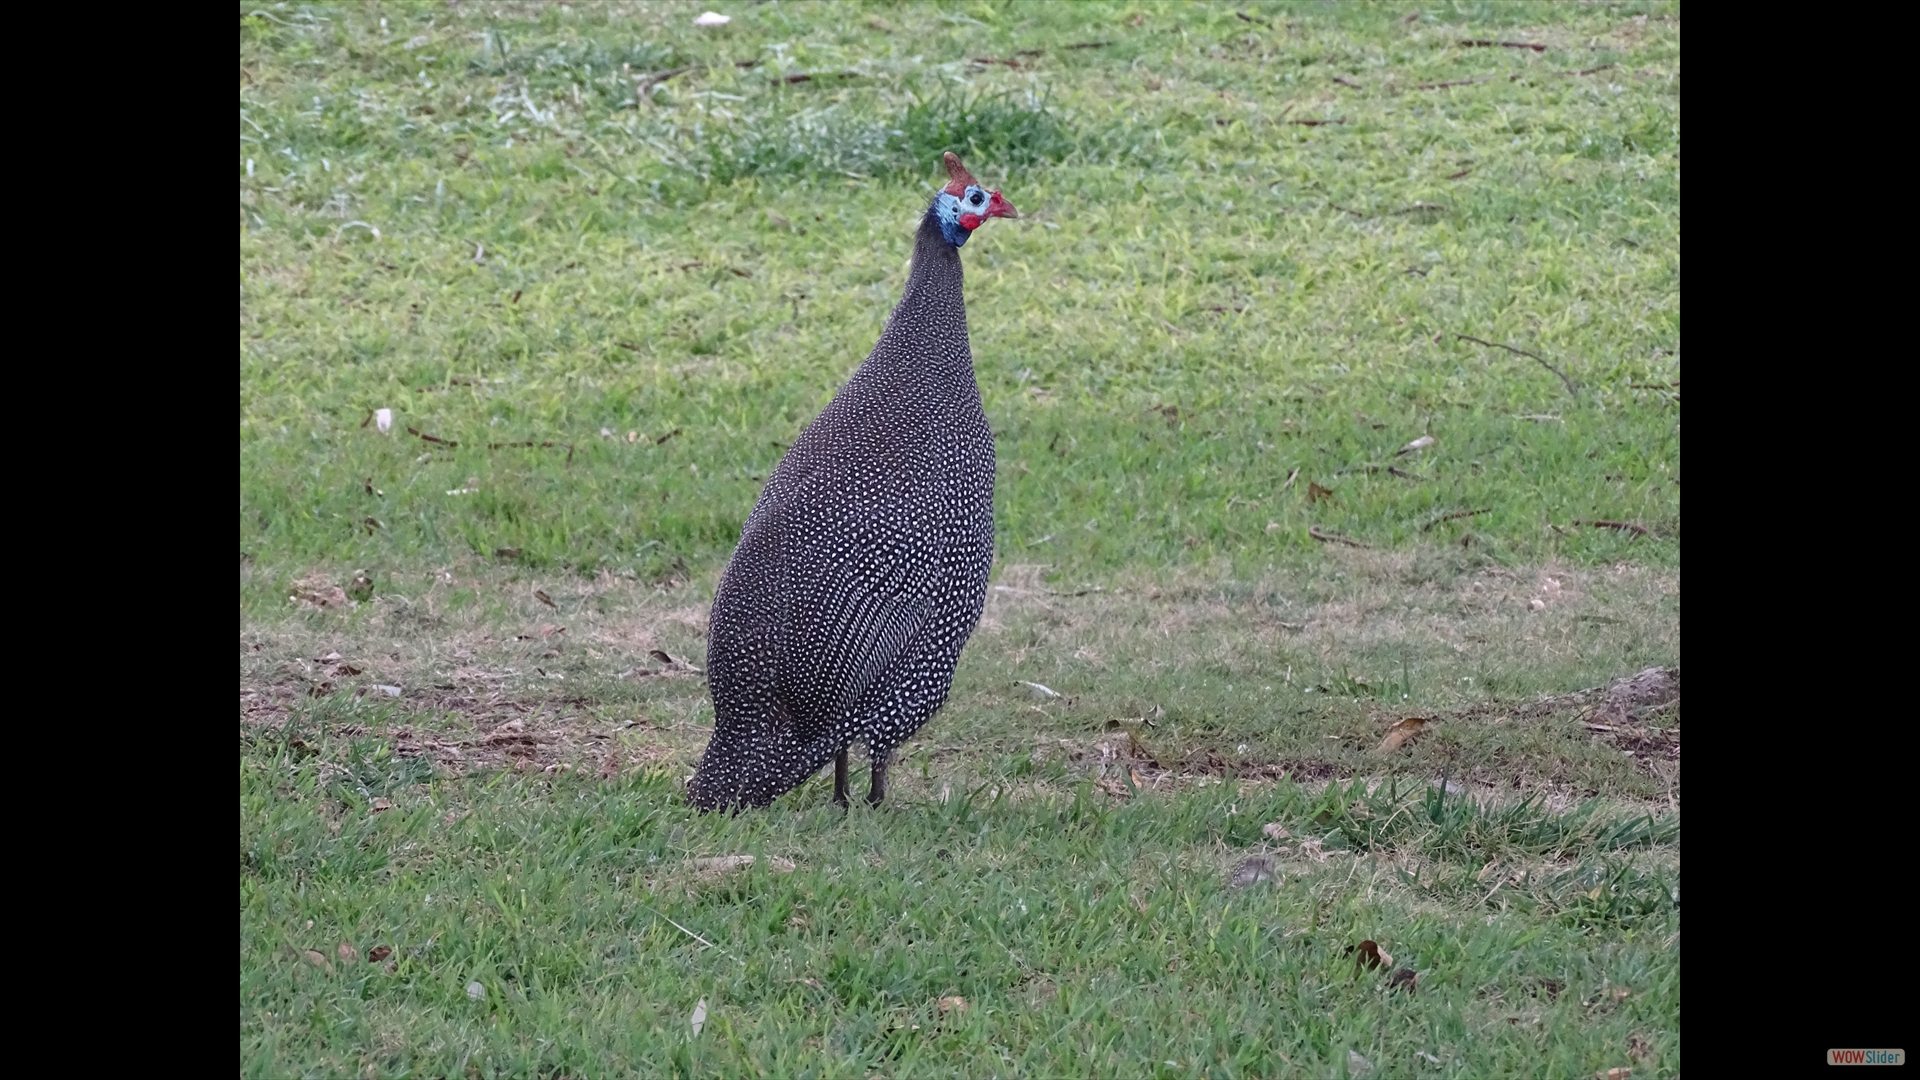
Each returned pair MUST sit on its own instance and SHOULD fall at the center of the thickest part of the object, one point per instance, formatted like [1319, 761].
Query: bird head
[963, 205]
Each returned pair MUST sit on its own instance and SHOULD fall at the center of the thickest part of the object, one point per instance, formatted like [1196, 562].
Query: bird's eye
[977, 197]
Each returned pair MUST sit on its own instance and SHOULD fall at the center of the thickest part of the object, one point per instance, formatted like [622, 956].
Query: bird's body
[862, 570]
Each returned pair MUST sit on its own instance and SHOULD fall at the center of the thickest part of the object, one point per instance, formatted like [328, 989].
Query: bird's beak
[997, 206]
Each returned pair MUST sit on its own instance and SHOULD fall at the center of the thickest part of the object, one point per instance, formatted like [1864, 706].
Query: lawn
[598, 265]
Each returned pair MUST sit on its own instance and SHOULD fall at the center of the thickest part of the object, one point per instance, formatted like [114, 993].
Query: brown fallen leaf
[955, 1003]
[1369, 954]
[319, 960]
[1273, 830]
[1316, 493]
[347, 953]
[379, 805]
[1399, 734]
[1637, 1049]
[1406, 979]
[541, 595]
[378, 953]
[675, 662]
[1614, 1074]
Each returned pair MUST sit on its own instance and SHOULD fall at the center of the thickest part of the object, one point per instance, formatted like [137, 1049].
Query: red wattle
[970, 222]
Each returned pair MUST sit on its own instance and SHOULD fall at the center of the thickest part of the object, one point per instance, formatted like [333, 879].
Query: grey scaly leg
[879, 791]
[840, 779]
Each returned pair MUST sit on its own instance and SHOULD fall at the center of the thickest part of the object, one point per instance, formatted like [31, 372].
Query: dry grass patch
[1144, 682]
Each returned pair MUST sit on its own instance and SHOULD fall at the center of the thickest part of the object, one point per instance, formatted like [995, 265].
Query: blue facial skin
[948, 208]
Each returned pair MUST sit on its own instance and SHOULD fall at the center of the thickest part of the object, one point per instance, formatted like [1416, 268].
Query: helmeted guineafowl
[863, 568]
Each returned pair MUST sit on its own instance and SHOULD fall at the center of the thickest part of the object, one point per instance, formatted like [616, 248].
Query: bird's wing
[859, 575]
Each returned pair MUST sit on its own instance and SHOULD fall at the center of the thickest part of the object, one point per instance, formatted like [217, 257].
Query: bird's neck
[936, 261]
[927, 331]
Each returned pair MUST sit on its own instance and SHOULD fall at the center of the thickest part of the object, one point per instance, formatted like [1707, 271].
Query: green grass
[1207, 314]
[1085, 938]
[1189, 311]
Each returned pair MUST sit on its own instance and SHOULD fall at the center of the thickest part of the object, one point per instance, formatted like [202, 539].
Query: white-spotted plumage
[862, 570]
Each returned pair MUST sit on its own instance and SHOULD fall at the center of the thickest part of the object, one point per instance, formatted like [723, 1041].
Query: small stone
[1252, 871]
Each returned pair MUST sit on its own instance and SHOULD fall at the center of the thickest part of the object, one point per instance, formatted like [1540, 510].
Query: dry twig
[1456, 514]
[1522, 352]
[1627, 526]
[1332, 537]
[1485, 43]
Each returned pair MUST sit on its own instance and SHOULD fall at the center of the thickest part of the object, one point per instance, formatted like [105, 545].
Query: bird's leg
[840, 779]
[879, 791]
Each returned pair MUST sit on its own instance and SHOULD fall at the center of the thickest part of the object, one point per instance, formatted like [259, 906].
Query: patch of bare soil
[1639, 714]
[481, 733]
[1636, 714]
[522, 683]
[554, 673]
[1120, 756]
